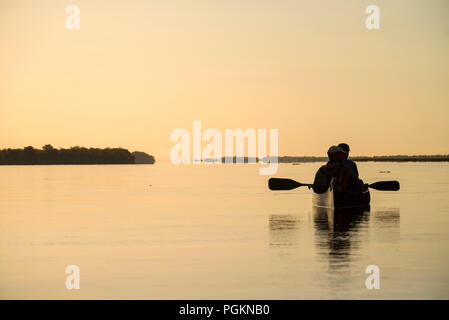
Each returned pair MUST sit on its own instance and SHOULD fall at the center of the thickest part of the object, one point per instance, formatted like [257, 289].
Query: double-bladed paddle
[289, 184]
[285, 184]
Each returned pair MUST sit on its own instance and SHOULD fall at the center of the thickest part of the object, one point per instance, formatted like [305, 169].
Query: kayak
[335, 198]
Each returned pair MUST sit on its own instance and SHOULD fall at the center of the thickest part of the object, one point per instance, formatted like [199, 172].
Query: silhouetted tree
[143, 158]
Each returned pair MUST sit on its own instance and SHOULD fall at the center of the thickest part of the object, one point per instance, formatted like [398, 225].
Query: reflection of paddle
[289, 184]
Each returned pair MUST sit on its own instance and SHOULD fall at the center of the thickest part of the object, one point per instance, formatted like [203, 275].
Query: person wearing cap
[335, 168]
[348, 162]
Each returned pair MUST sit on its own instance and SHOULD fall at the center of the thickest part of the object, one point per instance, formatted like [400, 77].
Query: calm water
[217, 232]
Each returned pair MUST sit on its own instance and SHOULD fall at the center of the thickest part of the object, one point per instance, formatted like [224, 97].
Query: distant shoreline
[306, 159]
[398, 158]
[93, 156]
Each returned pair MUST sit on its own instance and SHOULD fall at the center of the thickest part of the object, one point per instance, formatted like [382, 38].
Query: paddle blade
[385, 185]
[282, 184]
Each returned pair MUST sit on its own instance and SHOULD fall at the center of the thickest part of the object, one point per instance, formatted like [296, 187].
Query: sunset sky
[138, 69]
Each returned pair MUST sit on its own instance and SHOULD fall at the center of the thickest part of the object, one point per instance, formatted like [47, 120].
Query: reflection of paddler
[335, 231]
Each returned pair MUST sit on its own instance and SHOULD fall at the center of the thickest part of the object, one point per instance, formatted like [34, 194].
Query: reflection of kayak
[335, 198]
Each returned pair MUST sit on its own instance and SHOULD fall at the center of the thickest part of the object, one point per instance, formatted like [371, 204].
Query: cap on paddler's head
[336, 154]
[344, 146]
[334, 149]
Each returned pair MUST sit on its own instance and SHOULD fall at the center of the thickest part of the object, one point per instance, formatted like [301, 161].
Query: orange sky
[136, 70]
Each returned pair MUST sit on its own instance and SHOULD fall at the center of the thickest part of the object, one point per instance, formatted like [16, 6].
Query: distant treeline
[74, 155]
[291, 159]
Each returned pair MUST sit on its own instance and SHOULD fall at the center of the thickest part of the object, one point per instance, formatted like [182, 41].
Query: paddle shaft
[289, 184]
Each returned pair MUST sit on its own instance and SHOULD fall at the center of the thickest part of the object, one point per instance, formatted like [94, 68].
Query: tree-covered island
[73, 155]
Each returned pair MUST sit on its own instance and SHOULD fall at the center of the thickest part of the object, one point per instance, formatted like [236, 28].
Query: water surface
[216, 232]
